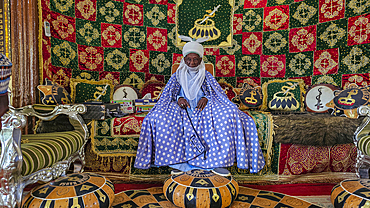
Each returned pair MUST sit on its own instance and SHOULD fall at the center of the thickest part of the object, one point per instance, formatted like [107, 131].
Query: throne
[27, 159]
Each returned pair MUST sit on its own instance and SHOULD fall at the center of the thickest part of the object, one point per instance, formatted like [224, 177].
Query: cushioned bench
[26, 159]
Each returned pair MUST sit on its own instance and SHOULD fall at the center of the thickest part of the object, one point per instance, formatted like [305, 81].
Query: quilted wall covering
[133, 41]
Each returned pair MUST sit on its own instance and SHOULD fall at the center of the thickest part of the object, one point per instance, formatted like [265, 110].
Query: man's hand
[202, 103]
[183, 103]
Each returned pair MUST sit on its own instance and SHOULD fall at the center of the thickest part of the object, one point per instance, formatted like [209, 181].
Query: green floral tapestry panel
[116, 59]
[64, 54]
[84, 74]
[355, 59]
[299, 64]
[275, 42]
[110, 12]
[253, 20]
[247, 65]
[303, 13]
[332, 34]
[160, 63]
[207, 18]
[88, 33]
[134, 37]
[65, 7]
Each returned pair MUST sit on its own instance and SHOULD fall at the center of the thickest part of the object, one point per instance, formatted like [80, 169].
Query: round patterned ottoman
[351, 193]
[199, 188]
[75, 190]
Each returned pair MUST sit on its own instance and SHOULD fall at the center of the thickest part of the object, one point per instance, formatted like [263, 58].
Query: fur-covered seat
[26, 159]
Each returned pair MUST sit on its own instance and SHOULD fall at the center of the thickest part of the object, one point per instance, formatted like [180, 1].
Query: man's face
[192, 60]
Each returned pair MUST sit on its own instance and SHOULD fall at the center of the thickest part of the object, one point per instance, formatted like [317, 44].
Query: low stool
[351, 193]
[74, 190]
[200, 188]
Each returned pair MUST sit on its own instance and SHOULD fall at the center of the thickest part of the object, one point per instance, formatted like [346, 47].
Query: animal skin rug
[314, 129]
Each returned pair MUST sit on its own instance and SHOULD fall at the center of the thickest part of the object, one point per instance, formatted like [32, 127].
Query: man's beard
[193, 69]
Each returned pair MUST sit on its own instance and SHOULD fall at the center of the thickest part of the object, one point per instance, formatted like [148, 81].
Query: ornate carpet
[154, 197]
[133, 41]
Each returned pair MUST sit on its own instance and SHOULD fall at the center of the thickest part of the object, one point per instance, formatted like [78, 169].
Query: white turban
[191, 83]
[193, 46]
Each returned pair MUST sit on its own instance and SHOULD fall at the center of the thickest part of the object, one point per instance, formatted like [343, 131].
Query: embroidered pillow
[347, 101]
[125, 92]
[53, 94]
[154, 88]
[318, 96]
[250, 97]
[86, 91]
[285, 95]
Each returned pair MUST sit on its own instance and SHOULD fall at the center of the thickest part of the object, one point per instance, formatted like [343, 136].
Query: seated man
[195, 126]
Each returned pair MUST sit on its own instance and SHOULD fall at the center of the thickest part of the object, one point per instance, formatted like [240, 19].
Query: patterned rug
[154, 197]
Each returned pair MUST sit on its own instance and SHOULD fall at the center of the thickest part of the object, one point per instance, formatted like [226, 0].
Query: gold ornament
[161, 63]
[275, 42]
[155, 15]
[252, 43]
[355, 60]
[63, 6]
[360, 30]
[272, 66]
[304, 13]
[332, 34]
[247, 65]
[91, 58]
[276, 19]
[157, 39]
[111, 35]
[253, 19]
[134, 37]
[139, 60]
[303, 39]
[299, 64]
[89, 32]
[109, 11]
[116, 59]
[64, 52]
[86, 8]
[325, 63]
[62, 26]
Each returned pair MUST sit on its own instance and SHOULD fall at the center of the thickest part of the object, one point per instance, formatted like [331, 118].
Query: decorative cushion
[152, 87]
[200, 188]
[346, 102]
[286, 95]
[125, 92]
[318, 96]
[43, 150]
[85, 90]
[351, 193]
[74, 190]
[53, 94]
[250, 97]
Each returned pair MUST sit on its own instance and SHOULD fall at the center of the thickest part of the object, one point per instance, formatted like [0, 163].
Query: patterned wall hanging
[134, 41]
[214, 19]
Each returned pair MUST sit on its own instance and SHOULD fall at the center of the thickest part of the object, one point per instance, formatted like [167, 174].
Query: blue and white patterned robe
[228, 132]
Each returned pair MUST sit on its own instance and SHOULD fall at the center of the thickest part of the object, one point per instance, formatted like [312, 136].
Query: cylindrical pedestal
[199, 188]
